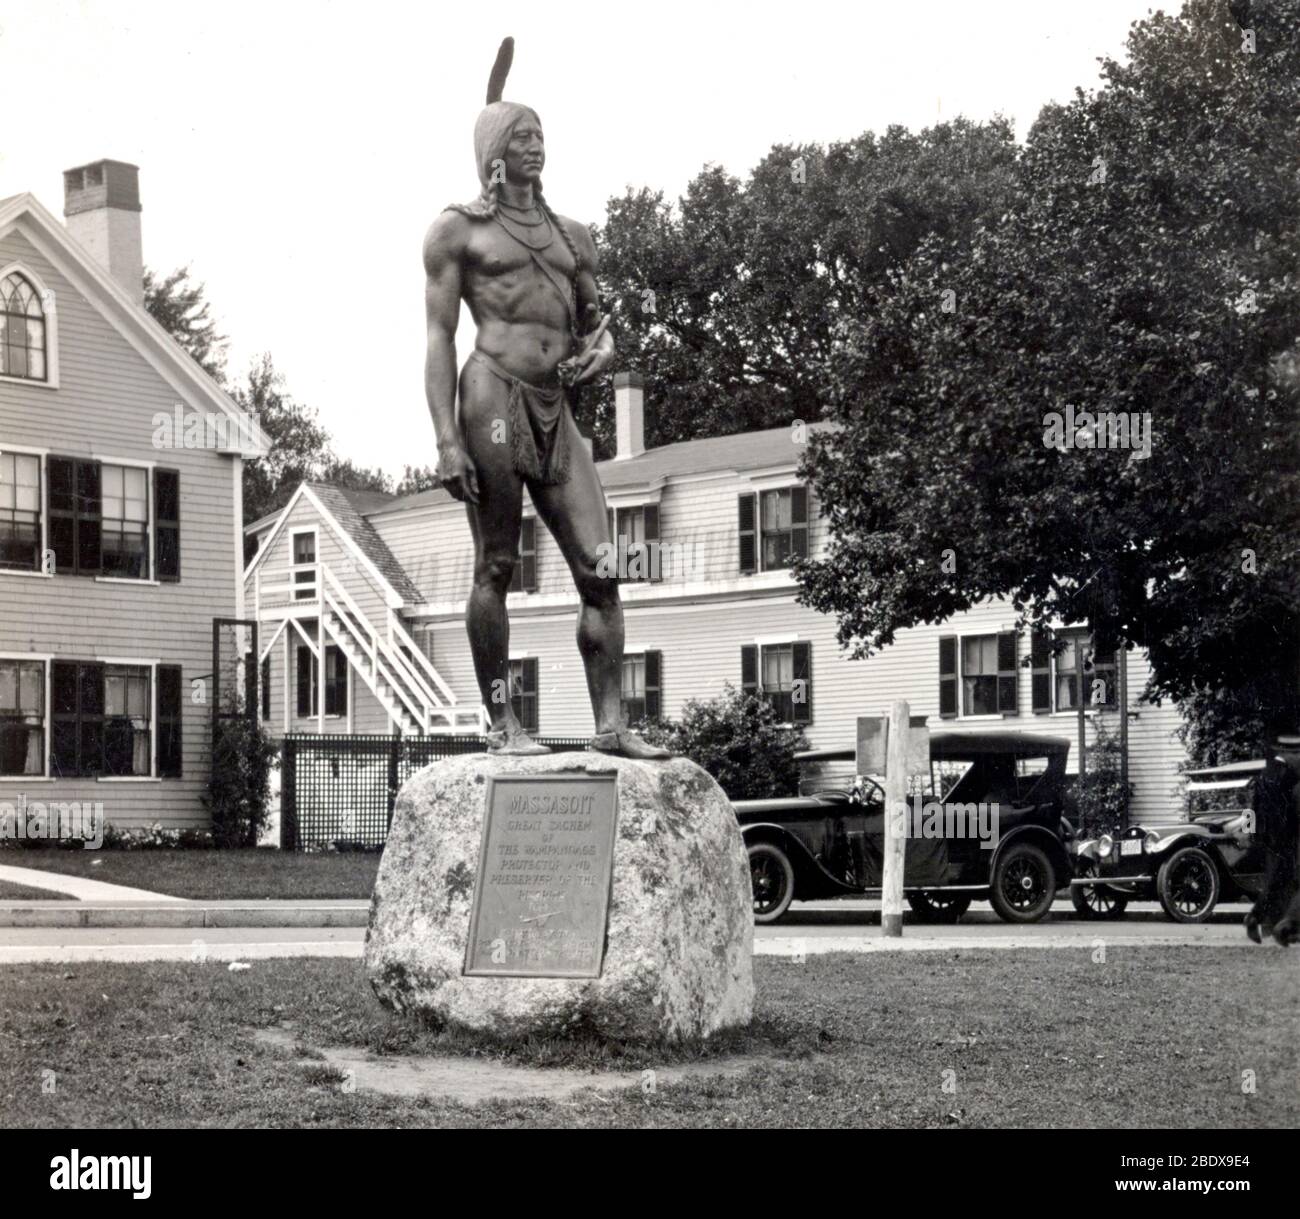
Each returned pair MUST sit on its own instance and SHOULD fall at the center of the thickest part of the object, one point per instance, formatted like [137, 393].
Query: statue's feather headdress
[492, 130]
[500, 70]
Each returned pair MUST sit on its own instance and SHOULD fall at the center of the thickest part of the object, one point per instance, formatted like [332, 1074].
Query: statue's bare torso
[522, 321]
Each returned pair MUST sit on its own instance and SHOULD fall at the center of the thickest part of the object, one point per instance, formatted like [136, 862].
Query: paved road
[811, 929]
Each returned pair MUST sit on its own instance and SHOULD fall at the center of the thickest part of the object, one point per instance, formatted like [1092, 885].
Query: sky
[293, 152]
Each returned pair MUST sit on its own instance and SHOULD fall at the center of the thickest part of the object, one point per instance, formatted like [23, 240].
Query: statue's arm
[444, 253]
[593, 363]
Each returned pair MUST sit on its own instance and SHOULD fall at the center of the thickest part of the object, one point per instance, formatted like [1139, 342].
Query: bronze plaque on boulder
[545, 873]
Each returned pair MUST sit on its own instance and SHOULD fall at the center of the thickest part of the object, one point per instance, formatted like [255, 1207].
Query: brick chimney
[629, 415]
[101, 205]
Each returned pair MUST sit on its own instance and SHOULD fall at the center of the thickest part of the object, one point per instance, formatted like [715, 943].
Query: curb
[188, 914]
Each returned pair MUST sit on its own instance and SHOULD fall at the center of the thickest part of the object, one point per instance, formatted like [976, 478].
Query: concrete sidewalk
[845, 919]
[173, 912]
[80, 887]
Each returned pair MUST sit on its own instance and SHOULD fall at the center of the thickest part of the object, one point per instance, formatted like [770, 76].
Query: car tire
[1187, 885]
[935, 906]
[771, 875]
[1097, 901]
[1023, 884]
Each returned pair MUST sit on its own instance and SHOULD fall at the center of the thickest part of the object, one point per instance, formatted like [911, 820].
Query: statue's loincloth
[539, 440]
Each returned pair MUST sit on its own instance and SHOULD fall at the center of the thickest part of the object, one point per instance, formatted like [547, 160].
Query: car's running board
[1118, 882]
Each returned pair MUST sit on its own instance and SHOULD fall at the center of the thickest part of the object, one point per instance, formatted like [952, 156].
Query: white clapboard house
[119, 541]
[361, 597]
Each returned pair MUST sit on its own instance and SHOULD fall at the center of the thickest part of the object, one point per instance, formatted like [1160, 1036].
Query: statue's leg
[574, 512]
[494, 523]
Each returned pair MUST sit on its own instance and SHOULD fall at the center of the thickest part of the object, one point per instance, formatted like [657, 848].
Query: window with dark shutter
[654, 668]
[61, 479]
[167, 525]
[650, 526]
[524, 578]
[1083, 674]
[169, 721]
[77, 719]
[748, 534]
[20, 511]
[523, 692]
[306, 681]
[22, 717]
[74, 515]
[948, 677]
[266, 687]
[637, 558]
[336, 682]
[801, 694]
[749, 669]
[1040, 659]
[1008, 683]
[640, 686]
[89, 516]
[799, 522]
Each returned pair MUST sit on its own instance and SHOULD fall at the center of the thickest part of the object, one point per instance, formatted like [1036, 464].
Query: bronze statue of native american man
[528, 276]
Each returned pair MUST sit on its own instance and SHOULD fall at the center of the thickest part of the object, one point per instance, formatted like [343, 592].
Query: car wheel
[935, 906]
[1024, 884]
[772, 876]
[1097, 901]
[1188, 885]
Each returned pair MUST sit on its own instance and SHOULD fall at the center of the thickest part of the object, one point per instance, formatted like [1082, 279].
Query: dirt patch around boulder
[474, 1080]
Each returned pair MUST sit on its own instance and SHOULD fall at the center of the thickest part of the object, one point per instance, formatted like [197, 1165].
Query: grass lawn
[253, 873]
[1153, 1037]
[25, 893]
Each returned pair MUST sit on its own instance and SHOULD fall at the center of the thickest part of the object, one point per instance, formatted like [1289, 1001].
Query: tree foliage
[738, 739]
[416, 479]
[1098, 801]
[300, 445]
[179, 305]
[732, 301]
[239, 785]
[1146, 263]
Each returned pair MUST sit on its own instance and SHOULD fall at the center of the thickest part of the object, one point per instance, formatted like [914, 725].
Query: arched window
[22, 329]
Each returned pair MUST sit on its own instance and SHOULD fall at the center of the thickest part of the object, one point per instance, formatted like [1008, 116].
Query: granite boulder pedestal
[675, 961]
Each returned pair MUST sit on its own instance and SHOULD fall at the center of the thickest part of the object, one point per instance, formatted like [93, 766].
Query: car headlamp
[1105, 844]
[1150, 840]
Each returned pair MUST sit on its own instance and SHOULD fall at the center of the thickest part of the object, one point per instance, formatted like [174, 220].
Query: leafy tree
[1145, 264]
[737, 738]
[1098, 800]
[344, 472]
[416, 479]
[239, 785]
[732, 302]
[300, 446]
[179, 305]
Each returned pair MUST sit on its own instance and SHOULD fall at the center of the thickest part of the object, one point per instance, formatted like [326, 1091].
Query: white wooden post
[891, 893]
[320, 671]
[285, 682]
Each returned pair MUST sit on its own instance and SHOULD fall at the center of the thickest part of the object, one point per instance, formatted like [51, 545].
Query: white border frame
[49, 303]
[45, 660]
[23, 450]
[996, 716]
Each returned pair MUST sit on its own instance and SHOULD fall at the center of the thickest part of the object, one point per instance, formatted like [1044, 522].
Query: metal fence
[340, 790]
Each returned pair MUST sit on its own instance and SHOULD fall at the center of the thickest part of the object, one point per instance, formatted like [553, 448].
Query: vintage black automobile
[1188, 867]
[829, 840]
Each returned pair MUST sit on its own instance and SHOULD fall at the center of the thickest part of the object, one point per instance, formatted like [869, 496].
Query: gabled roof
[772, 448]
[342, 504]
[363, 501]
[166, 355]
[335, 507]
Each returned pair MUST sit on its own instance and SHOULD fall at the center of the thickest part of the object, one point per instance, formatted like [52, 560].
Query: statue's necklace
[507, 224]
[525, 211]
